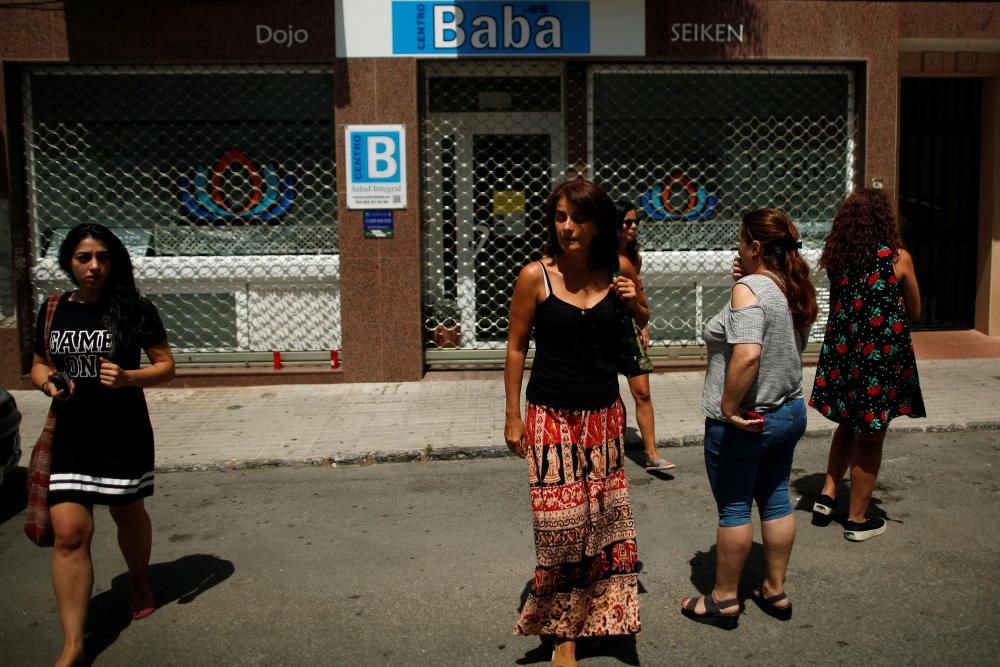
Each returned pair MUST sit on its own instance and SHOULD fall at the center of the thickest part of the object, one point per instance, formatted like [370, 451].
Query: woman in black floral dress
[867, 374]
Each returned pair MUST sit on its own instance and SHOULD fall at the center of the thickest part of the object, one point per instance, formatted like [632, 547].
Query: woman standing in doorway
[866, 374]
[639, 384]
[585, 582]
[102, 449]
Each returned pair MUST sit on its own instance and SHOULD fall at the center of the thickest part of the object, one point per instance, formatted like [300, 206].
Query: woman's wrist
[43, 388]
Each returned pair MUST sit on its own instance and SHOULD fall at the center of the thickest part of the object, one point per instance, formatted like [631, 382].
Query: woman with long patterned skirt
[585, 583]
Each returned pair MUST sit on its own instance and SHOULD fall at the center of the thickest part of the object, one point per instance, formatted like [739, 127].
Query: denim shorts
[744, 466]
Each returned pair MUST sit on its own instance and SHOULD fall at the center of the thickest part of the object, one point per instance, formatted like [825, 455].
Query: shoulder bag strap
[49, 314]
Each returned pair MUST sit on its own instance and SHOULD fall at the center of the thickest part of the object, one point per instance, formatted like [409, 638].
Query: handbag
[632, 356]
[37, 522]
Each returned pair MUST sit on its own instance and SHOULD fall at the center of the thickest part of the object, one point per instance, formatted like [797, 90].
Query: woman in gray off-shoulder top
[755, 413]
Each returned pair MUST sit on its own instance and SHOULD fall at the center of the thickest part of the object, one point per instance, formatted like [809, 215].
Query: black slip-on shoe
[823, 510]
[859, 532]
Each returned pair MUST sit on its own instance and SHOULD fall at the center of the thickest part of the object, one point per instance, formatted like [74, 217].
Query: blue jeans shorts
[744, 466]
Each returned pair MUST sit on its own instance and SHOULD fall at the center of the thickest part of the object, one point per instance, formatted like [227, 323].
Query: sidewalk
[445, 418]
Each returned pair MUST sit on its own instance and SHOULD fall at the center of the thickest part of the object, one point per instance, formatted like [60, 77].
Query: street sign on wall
[376, 166]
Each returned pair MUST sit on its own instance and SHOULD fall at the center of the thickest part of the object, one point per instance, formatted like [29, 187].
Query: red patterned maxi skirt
[585, 581]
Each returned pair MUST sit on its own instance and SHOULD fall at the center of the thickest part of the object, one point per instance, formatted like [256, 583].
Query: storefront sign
[282, 36]
[378, 224]
[490, 28]
[440, 29]
[720, 29]
[706, 32]
[183, 31]
[376, 166]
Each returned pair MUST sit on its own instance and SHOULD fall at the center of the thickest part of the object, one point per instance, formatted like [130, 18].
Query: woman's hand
[737, 268]
[754, 424]
[113, 375]
[626, 290]
[513, 434]
[50, 389]
[644, 335]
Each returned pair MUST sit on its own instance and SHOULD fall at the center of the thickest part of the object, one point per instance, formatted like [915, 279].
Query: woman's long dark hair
[122, 309]
[865, 221]
[632, 247]
[779, 240]
[595, 202]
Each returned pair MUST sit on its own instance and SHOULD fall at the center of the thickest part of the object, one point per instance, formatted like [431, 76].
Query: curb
[429, 453]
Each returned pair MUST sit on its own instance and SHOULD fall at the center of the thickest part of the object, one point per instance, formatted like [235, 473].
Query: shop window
[700, 146]
[208, 162]
[220, 180]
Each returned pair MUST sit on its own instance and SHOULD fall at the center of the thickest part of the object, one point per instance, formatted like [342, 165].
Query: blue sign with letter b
[375, 157]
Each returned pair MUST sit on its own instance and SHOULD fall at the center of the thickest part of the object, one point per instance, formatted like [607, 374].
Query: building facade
[354, 185]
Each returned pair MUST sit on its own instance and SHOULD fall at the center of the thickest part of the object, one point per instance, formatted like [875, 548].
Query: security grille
[222, 183]
[693, 147]
[7, 318]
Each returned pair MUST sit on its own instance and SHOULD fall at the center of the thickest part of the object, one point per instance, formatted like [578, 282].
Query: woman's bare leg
[778, 536]
[566, 650]
[841, 453]
[864, 472]
[135, 539]
[72, 573]
[639, 386]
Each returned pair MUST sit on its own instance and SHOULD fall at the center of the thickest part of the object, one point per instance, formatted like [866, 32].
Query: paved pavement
[425, 564]
[446, 418]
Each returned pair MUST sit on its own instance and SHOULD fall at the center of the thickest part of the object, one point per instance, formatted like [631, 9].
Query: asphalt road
[425, 564]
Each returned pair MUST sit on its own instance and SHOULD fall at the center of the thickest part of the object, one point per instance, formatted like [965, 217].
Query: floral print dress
[867, 374]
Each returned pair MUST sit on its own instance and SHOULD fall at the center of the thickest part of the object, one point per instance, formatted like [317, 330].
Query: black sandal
[713, 612]
[768, 605]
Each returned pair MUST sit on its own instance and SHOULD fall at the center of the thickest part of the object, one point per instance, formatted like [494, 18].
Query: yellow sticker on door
[508, 202]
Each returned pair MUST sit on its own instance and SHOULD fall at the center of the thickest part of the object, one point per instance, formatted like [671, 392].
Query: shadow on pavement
[179, 581]
[621, 647]
[14, 494]
[703, 570]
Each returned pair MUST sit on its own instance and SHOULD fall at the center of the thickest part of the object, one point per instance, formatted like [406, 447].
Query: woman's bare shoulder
[903, 260]
[625, 265]
[531, 273]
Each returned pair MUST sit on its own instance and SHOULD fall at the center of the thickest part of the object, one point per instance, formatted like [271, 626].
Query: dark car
[10, 438]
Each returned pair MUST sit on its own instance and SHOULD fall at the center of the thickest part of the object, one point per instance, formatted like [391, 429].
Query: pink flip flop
[144, 607]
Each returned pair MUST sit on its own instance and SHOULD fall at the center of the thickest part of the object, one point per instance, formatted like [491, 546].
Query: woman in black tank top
[572, 436]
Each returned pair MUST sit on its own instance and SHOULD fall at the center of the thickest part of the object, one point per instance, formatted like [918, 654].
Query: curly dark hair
[865, 221]
[595, 202]
[779, 240]
[121, 305]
